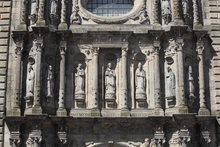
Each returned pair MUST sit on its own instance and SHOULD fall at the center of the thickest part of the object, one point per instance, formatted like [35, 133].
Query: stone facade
[146, 78]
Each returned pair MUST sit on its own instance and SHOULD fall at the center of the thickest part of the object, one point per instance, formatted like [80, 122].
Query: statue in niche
[75, 18]
[34, 10]
[185, 4]
[191, 86]
[53, 7]
[30, 85]
[144, 18]
[50, 82]
[170, 83]
[166, 11]
[53, 11]
[79, 80]
[140, 82]
[110, 82]
[30, 81]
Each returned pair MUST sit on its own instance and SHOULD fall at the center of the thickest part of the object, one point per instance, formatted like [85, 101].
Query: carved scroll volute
[35, 136]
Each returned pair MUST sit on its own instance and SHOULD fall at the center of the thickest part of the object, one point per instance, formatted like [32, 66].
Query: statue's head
[140, 65]
[109, 65]
[80, 65]
[169, 69]
[50, 67]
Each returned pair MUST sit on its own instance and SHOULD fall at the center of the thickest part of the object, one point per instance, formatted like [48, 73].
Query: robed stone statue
[110, 82]
[79, 80]
[30, 81]
[140, 82]
[50, 81]
[170, 83]
[53, 7]
[166, 11]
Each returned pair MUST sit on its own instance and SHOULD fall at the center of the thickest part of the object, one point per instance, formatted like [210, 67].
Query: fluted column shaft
[63, 24]
[124, 89]
[156, 15]
[94, 100]
[157, 74]
[180, 74]
[61, 108]
[196, 19]
[177, 17]
[37, 83]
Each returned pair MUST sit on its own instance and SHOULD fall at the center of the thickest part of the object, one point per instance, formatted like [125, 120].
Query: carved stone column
[37, 84]
[63, 24]
[157, 91]
[156, 12]
[177, 17]
[180, 96]
[124, 86]
[196, 15]
[203, 110]
[41, 20]
[95, 96]
[61, 108]
[15, 137]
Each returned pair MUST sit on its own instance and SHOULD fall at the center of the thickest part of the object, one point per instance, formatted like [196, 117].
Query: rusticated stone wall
[5, 13]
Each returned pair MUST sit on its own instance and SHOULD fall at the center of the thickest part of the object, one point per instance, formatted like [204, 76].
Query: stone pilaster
[177, 17]
[180, 91]
[203, 110]
[63, 24]
[61, 108]
[22, 25]
[94, 100]
[17, 69]
[41, 20]
[124, 86]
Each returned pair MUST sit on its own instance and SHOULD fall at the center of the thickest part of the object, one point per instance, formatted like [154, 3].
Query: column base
[40, 23]
[21, 27]
[95, 113]
[125, 113]
[157, 26]
[204, 111]
[61, 112]
[197, 27]
[35, 110]
[159, 112]
[176, 110]
[15, 112]
[62, 26]
[178, 22]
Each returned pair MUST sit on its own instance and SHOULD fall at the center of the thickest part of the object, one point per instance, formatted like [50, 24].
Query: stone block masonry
[5, 13]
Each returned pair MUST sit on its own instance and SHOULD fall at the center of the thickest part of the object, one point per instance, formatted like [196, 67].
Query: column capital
[15, 136]
[200, 47]
[95, 50]
[63, 46]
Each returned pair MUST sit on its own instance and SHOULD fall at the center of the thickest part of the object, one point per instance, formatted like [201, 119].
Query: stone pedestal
[63, 24]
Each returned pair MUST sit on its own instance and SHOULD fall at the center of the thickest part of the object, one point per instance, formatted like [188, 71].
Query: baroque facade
[111, 73]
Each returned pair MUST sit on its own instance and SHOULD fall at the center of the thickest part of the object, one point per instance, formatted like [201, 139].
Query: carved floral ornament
[139, 5]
